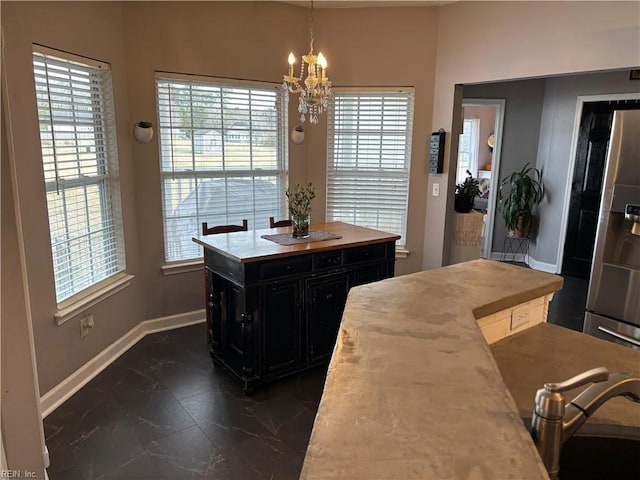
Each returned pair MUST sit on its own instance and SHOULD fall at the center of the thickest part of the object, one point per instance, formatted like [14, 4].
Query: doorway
[488, 116]
[590, 160]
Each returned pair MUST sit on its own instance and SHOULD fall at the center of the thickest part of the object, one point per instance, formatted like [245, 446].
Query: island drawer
[365, 253]
[288, 267]
[225, 267]
[326, 260]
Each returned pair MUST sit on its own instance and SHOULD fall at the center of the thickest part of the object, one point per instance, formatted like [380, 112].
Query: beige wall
[383, 46]
[237, 40]
[92, 29]
[487, 41]
[204, 39]
[22, 435]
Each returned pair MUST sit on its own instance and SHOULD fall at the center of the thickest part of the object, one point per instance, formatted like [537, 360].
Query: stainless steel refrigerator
[613, 301]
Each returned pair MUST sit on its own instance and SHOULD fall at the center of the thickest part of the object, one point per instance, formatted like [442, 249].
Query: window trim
[473, 149]
[75, 305]
[183, 265]
[119, 279]
[400, 249]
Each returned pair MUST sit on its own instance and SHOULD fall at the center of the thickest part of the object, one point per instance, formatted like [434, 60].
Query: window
[368, 158]
[223, 149]
[78, 142]
[468, 149]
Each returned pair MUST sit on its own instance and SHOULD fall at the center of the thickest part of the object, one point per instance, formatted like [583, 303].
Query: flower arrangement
[299, 198]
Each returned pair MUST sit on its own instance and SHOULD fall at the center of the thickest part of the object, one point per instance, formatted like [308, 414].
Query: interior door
[498, 106]
[586, 187]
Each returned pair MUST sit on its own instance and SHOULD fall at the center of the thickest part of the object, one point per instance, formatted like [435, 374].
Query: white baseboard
[543, 267]
[532, 262]
[78, 379]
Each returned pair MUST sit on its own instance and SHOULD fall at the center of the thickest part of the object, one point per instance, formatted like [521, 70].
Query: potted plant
[143, 131]
[297, 134]
[519, 192]
[299, 198]
[466, 193]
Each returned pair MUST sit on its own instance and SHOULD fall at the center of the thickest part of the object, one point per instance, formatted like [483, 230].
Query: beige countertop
[245, 247]
[413, 390]
[549, 353]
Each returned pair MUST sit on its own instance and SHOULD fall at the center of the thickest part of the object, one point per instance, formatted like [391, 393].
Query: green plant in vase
[466, 193]
[299, 198]
[519, 192]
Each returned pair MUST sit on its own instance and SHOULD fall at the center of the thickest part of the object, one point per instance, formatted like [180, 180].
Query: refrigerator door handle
[619, 335]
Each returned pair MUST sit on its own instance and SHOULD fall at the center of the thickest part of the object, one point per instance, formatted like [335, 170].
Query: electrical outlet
[86, 324]
[436, 190]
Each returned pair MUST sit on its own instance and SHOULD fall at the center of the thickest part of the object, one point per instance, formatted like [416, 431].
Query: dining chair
[279, 223]
[206, 230]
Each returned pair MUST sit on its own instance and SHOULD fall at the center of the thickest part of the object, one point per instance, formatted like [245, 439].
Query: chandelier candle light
[316, 88]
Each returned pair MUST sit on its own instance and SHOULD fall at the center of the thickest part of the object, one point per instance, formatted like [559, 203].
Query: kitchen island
[413, 391]
[274, 309]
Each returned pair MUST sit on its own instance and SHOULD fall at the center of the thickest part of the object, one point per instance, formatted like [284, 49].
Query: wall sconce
[143, 132]
[297, 134]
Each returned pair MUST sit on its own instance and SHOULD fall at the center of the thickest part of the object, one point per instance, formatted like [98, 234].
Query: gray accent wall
[521, 132]
[554, 150]
[539, 122]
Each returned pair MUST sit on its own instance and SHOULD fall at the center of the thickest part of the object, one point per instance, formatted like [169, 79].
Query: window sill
[182, 267]
[402, 253]
[70, 308]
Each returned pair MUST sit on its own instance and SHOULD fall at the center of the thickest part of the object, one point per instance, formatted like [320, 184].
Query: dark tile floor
[161, 411]
[568, 305]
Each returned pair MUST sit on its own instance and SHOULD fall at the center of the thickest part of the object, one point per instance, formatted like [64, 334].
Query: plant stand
[515, 249]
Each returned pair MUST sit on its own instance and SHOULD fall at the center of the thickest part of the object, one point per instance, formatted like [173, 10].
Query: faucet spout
[591, 399]
[553, 422]
[618, 384]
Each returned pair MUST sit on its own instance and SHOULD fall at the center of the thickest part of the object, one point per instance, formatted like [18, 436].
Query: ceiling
[367, 3]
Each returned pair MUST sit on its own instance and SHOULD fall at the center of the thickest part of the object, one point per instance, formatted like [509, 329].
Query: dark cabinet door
[325, 299]
[280, 327]
[231, 323]
[368, 274]
[234, 327]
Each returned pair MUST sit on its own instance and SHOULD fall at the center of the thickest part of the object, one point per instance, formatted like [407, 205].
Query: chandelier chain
[311, 37]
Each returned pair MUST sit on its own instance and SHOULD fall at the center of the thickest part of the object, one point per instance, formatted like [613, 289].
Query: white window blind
[77, 137]
[468, 149]
[223, 157]
[368, 158]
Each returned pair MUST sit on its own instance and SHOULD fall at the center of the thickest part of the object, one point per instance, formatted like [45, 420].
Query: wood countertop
[245, 247]
[413, 391]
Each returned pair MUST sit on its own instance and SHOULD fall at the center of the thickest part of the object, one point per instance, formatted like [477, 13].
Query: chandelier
[315, 90]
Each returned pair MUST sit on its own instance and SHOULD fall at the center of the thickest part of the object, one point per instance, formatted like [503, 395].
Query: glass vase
[300, 225]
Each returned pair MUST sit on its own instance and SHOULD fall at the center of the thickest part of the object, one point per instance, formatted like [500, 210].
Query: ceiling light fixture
[316, 88]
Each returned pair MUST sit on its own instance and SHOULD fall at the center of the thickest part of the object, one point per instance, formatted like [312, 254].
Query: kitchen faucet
[553, 422]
